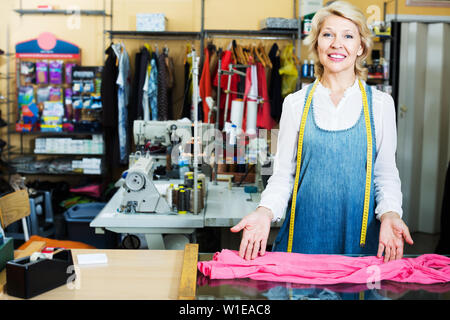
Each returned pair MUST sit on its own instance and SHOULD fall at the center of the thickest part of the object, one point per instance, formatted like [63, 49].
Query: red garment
[205, 86]
[264, 119]
[327, 269]
[226, 60]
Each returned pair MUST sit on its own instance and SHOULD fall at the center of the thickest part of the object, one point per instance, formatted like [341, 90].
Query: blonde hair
[348, 11]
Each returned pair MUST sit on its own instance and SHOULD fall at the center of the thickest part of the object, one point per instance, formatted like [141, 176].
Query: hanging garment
[187, 96]
[226, 60]
[276, 100]
[136, 111]
[153, 88]
[123, 82]
[109, 96]
[163, 89]
[170, 86]
[264, 119]
[326, 269]
[205, 86]
[330, 198]
[145, 103]
[288, 71]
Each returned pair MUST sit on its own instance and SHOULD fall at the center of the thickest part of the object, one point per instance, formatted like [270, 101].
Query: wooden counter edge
[188, 281]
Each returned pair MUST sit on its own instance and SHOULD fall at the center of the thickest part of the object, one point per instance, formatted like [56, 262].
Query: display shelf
[58, 173]
[168, 34]
[29, 153]
[62, 12]
[12, 130]
[263, 32]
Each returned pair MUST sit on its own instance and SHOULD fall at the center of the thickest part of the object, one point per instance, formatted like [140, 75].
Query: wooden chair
[15, 206]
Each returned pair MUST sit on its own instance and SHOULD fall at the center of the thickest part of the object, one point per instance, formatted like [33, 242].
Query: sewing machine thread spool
[188, 195]
[175, 192]
[199, 201]
[182, 201]
[169, 195]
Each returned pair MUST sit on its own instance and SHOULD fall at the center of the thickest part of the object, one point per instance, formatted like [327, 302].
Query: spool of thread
[200, 203]
[237, 112]
[187, 199]
[175, 197]
[190, 182]
[182, 202]
[169, 194]
[252, 110]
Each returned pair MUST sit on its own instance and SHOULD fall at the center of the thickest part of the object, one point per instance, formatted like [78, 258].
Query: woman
[347, 197]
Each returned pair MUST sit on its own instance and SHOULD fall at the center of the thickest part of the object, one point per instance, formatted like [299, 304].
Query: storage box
[151, 22]
[78, 218]
[6, 252]
[279, 23]
[26, 279]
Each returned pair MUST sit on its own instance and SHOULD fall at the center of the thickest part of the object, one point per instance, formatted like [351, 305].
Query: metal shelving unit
[62, 12]
[11, 128]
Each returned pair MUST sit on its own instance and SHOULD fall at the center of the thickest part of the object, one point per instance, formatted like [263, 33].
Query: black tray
[26, 279]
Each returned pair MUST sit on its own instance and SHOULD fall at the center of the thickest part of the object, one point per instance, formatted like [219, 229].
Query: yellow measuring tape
[299, 161]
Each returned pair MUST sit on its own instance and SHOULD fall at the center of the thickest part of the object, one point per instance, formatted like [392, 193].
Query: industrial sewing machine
[155, 141]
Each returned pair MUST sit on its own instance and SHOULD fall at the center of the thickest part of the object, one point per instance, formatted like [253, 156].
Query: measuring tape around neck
[299, 160]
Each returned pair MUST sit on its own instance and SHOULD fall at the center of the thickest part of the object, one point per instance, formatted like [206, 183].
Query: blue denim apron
[330, 198]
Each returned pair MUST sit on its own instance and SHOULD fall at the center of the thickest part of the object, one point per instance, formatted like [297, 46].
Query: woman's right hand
[256, 226]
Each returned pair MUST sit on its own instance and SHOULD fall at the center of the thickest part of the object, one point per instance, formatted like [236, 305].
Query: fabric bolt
[329, 206]
[264, 120]
[276, 100]
[323, 269]
[329, 117]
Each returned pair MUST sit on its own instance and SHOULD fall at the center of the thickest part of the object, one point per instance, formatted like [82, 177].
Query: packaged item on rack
[86, 102]
[28, 112]
[42, 95]
[56, 94]
[98, 85]
[96, 102]
[27, 72]
[88, 86]
[26, 95]
[52, 116]
[68, 103]
[77, 102]
[77, 86]
[68, 71]
[56, 71]
[41, 72]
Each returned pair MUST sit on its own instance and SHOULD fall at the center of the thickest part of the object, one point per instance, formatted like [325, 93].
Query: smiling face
[339, 44]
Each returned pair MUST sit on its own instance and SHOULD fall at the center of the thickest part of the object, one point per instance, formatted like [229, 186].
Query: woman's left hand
[392, 232]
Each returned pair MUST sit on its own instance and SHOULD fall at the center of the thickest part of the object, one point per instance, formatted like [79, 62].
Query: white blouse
[328, 116]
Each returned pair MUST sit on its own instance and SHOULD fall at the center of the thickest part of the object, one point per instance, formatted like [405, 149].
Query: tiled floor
[423, 243]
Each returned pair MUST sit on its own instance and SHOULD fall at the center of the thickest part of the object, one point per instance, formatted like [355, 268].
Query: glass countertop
[248, 289]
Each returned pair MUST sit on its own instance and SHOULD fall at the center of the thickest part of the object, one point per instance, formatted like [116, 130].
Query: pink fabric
[326, 269]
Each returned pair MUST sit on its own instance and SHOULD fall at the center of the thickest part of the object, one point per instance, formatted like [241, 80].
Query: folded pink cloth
[326, 269]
